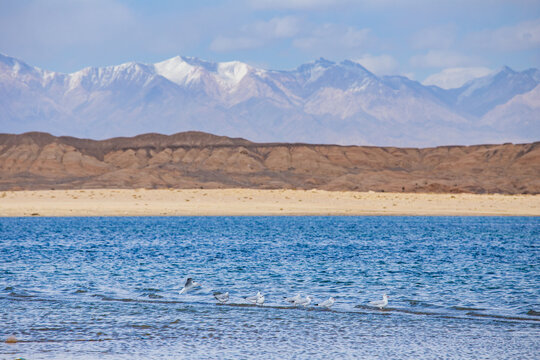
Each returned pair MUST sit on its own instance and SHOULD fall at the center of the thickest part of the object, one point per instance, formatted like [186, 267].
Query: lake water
[108, 288]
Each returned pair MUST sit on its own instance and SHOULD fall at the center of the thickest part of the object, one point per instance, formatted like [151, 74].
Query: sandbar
[249, 202]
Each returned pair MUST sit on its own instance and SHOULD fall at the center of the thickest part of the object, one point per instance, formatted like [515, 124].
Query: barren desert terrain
[194, 160]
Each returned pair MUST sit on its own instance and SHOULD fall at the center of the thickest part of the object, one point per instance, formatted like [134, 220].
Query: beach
[249, 202]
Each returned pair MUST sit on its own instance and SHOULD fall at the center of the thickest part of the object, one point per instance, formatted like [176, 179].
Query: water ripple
[109, 287]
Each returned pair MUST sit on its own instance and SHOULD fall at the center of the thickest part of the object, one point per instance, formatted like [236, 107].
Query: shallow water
[108, 288]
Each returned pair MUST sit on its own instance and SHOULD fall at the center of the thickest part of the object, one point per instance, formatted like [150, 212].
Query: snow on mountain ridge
[178, 71]
[188, 71]
[231, 73]
[322, 101]
[103, 77]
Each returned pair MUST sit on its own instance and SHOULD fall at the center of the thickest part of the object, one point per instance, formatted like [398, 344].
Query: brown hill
[199, 160]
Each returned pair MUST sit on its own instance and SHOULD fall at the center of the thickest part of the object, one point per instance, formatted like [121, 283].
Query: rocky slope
[199, 160]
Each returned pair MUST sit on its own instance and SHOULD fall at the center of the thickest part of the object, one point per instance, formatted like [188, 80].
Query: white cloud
[334, 40]
[410, 7]
[440, 37]
[278, 27]
[442, 59]
[223, 44]
[523, 36]
[456, 77]
[257, 34]
[296, 4]
[57, 23]
[379, 65]
[68, 35]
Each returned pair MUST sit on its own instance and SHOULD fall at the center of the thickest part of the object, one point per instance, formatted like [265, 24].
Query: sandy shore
[140, 202]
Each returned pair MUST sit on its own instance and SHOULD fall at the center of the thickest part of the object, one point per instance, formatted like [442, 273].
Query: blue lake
[108, 288]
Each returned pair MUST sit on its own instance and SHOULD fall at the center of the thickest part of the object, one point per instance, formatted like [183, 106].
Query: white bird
[380, 303]
[221, 297]
[189, 285]
[257, 299]
[327, 303]
[293, 299]
[304, 302]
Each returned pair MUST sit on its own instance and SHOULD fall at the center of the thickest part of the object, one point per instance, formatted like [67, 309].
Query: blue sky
[440, 42]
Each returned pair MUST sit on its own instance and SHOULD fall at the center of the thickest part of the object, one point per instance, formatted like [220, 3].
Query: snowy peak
[128, 74]
[20, 71]
[178, 70]
[186, 71]
[231, 73]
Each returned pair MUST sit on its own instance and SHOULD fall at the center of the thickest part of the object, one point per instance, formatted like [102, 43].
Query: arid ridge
[186, 160]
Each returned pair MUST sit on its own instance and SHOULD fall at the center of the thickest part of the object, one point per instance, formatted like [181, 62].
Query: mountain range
[319, 102]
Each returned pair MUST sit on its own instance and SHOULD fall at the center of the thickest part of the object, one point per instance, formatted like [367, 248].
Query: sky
[436, 42]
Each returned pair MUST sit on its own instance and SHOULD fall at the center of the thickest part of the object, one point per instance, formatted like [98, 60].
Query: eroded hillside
[200, 160]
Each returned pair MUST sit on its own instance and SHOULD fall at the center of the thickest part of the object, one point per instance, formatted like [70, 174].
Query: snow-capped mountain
[319, 102]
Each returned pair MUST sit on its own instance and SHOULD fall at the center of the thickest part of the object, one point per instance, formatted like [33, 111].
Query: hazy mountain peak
[8, 60]
[506, 70]
[355, 65]
[480, 95]
[534, 74]
[324, 62]
[17, 66]
[321, 63]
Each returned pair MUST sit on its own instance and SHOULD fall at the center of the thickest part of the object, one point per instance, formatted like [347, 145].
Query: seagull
[305, 301]
[293, 299]
[257, 299]
[221, 297]
[327, 303]
[380, 303]
[189, 285]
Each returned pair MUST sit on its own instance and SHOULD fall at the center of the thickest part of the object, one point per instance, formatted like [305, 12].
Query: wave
[454, 312]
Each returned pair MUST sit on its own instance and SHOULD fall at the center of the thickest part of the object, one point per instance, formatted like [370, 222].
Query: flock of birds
[297, 300]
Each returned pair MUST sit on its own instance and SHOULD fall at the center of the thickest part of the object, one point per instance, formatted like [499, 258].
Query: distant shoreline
[251, 202]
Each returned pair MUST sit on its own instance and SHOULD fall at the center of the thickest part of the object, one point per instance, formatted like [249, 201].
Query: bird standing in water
[304, 302]
[327, 303]
[221, 297]
[380, 303]
[257, 299]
